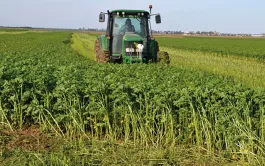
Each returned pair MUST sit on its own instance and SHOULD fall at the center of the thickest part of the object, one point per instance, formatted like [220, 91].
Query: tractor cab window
[129, 23]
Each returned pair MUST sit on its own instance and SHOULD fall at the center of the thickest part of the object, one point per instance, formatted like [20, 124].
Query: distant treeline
[13, 29]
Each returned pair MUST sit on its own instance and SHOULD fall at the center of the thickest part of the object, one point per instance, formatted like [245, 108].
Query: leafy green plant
[45, 83]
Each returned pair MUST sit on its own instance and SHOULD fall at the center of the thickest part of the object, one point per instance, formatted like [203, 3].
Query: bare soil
[28, 139]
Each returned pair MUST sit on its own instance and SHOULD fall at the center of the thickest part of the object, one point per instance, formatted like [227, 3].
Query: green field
[222, 56]
[59, 107]
[247, 47]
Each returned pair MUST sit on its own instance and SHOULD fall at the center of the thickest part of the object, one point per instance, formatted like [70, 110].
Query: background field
[103, 114]
[247, 47]
[241, 58]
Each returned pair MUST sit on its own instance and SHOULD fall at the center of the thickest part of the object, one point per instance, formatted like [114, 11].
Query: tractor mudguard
[103, 42]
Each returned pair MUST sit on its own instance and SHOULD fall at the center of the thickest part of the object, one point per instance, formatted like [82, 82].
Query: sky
[227, 16]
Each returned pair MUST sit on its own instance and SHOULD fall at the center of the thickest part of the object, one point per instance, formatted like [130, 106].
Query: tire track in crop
[83, 44]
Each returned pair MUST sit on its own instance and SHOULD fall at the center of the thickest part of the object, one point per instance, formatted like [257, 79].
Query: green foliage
[43, 81]
[83, 44]
[243, 70]
[247, 47]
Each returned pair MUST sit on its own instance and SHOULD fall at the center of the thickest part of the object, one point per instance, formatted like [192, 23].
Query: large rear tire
[103, 56]
[163, 58]
[100, 55]
[96, 50]
[156, 51]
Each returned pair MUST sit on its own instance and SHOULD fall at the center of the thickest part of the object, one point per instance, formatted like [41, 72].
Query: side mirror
[158, 19]
[101, 17]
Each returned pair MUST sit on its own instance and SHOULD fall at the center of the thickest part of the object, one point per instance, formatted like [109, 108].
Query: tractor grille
[129, 44]
[132, 47]
[131, 54]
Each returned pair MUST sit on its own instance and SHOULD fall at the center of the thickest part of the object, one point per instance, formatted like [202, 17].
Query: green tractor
[128, 38]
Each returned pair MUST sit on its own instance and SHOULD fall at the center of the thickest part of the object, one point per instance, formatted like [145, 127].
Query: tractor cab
[130, 31]
[128, 37]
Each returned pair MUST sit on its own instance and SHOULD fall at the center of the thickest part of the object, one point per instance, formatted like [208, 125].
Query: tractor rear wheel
[100, 55]
[103, 56]
[156, 46]
[163, 57]
[96, 50]
[156, 51]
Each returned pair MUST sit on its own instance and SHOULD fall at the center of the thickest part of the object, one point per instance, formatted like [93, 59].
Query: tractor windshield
[129, 23]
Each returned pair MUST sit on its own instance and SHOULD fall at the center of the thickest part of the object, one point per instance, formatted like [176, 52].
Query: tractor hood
[131, 37]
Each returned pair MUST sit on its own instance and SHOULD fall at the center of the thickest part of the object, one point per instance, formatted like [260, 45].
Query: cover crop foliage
[44, 82]
[246, 47]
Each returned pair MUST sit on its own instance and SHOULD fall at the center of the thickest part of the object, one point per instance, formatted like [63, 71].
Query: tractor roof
[129, 11]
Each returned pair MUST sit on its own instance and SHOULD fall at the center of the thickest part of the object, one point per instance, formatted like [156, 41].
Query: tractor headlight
[129, 49]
